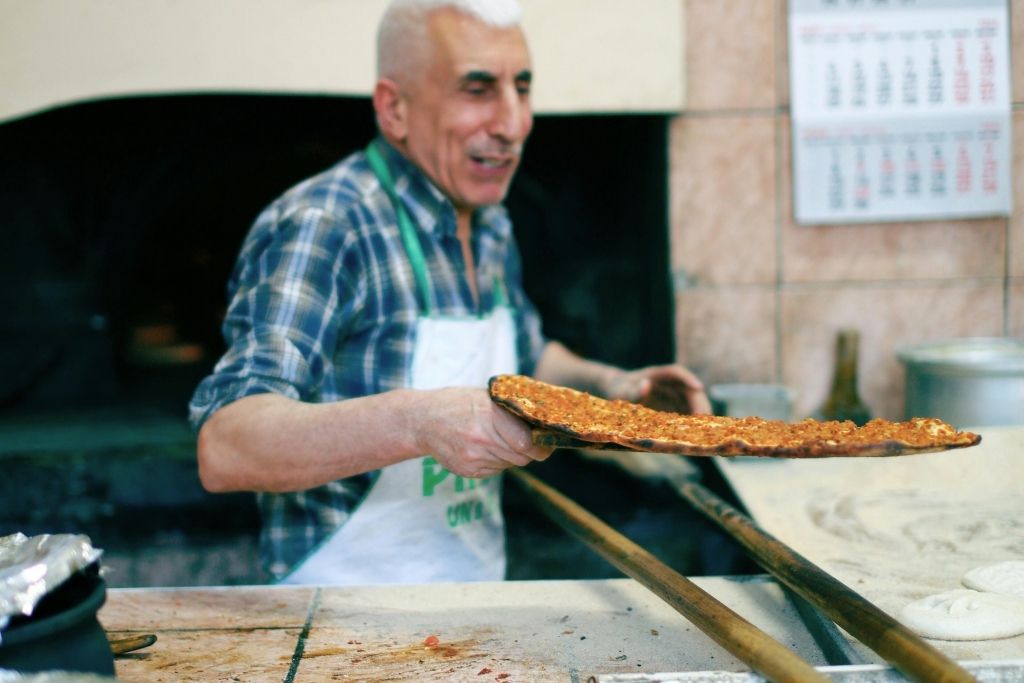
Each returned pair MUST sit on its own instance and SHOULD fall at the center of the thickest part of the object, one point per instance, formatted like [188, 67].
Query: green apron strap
[405, 226]
[500, 293]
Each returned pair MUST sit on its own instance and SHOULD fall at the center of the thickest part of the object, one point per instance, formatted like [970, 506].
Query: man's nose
[512, 116]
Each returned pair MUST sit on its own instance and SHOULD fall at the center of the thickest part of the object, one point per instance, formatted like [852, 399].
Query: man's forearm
[666, 387]
[268, 442]
[558, 365]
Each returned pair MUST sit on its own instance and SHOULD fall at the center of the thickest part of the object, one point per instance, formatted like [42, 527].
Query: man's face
[469, 112]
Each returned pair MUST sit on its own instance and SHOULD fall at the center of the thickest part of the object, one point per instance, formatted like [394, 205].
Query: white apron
[420, 523]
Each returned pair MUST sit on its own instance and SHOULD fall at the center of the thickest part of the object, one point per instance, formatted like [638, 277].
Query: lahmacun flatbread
[590, 421]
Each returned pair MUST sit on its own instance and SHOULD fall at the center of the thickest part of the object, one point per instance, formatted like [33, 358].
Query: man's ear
[391, 109]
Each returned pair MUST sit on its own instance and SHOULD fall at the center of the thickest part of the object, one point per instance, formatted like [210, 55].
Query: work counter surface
[898, 529]
[892, 529]
[511, 631]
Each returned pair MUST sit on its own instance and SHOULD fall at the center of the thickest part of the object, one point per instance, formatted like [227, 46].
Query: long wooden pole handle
[897, 644]
[734, 633]
[120, 646]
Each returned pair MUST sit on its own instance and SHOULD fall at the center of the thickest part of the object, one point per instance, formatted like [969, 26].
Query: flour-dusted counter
[898, 529]
[511, 631]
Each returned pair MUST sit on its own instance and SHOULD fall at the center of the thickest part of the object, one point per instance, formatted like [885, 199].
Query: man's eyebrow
[479, 76]
[482, 76]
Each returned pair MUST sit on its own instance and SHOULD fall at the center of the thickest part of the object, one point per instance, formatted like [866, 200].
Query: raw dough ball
[1003, 577]
[964, 614]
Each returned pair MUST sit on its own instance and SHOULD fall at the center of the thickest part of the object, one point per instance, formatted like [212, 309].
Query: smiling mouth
[495, 157]
[492, 162]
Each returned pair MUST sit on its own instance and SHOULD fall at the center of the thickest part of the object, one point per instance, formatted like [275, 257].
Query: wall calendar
[900, 109]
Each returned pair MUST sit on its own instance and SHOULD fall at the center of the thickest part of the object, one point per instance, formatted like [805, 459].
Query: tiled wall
[759, 298]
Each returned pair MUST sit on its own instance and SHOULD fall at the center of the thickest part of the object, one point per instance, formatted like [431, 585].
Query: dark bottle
[843, 402]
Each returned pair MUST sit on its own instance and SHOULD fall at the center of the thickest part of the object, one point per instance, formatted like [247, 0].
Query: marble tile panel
[730, 54]
[884, 251]
[1015, 303]
[887, 317]
[256, 656]
[782, 88]
[206, 608]
[727, 335]
[1016, 236]
[1017, 49]
[722, 198]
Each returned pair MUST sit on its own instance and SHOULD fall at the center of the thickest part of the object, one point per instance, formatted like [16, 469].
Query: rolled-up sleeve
[290, 298]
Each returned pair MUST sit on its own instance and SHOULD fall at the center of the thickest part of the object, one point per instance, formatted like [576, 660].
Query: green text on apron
[420, 523]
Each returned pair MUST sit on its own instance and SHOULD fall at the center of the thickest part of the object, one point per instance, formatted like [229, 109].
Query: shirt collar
[429, 208]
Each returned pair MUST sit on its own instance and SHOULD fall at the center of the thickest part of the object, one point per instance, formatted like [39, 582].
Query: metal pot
[967, 382]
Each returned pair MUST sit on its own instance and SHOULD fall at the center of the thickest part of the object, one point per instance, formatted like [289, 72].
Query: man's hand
[472, 437]
[662, 387]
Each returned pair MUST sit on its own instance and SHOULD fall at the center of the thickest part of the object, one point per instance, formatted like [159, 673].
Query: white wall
[589, 55]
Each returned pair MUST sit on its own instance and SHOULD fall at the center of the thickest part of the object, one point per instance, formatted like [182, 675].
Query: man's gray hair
[402, 31]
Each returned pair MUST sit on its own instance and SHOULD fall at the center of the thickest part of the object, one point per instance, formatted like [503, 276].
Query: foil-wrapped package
[31, 567]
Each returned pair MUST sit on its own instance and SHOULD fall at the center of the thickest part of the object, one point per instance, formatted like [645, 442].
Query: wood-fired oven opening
[124, 218]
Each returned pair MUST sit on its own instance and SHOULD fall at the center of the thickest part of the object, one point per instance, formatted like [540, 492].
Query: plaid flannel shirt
[323, 307]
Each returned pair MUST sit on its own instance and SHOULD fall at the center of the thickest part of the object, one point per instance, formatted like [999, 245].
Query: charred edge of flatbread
[809, 449]
[521, 405]
[738, 447]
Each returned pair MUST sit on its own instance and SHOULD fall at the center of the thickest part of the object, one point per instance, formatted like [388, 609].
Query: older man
[369, 306]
